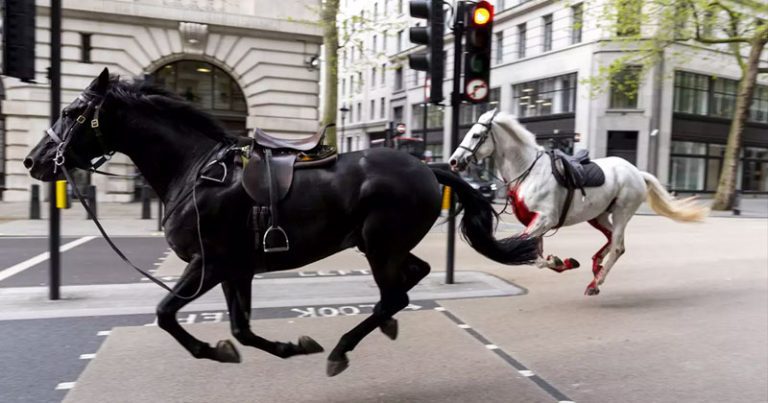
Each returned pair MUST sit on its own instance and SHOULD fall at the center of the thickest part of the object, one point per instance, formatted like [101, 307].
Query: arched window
[210, 88]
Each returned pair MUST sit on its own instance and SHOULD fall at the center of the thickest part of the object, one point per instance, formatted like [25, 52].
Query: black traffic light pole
[456, 97]
[54, 221]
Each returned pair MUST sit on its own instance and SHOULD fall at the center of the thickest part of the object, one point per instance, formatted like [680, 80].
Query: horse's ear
[101, 83]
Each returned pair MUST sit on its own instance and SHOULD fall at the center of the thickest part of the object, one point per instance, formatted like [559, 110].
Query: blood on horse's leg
[238, 296]
[602, 224]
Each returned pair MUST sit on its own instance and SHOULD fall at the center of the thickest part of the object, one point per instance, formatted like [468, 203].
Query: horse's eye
[475, 136]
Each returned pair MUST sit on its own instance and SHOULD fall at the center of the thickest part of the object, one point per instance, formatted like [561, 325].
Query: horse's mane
[511, 123]
[144, 94]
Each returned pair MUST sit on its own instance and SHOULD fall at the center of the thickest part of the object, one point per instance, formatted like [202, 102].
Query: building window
[383, 75]
[400, 41]
[628, 17]
[624, 88]
[351, 84]
[521, 30]
[375, 12]
[382, 107]
[435, 115]
[384, 37]
[85, 48]
[400, 6]
[373, 76]
[695, 167]
[759, 110]
[545, 97]
[397, 114]
[415, 78]
[375, 41]
[371, 113]
[500, 47]
[577, 21]
[359, 112]
[343, 86]
[547, 21]
[699, 94]
[723, 97]
[359, 82]
[398, 79]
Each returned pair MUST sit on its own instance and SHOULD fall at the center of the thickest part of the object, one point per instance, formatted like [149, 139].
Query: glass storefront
[703, 95]
[695, 167]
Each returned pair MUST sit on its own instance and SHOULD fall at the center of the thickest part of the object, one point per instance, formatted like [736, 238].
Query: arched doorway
[210, 88]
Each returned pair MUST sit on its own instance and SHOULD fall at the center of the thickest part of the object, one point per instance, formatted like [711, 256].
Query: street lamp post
[343, 111]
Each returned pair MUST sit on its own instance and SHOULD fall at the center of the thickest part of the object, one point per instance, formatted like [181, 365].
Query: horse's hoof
[336, 367]
[389, 327]
[309, 346]
[226, 352]
[592, 290]
[572, 263]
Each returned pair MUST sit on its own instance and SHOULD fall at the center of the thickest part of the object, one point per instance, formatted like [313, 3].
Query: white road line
[525, 372]
[87, 356]
[439, 308]
[491, 347]
[104, 333]
[18, 268]
[65, 386]
[464, 326]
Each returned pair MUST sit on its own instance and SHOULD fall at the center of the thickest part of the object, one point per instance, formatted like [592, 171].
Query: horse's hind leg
[603, 224]
[620, 217]
[414, 270]
[238, 295]
[189, 284]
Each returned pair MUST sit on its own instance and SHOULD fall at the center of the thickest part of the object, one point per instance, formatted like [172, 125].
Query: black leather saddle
[574, 172]
[269, 166]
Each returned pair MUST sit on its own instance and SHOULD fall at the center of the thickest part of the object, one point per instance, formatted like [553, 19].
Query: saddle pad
[256, 177]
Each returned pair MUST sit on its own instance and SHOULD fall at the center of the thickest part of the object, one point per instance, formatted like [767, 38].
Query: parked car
[487, 187]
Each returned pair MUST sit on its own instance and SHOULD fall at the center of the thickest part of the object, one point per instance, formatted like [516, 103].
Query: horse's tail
[665, 204]
[477, 225]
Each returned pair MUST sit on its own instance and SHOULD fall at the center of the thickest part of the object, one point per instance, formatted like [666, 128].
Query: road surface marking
[526, 372]
[104, 333]
[464, 326]
[18, 268]
[87, 356]
[491, 347]
[65, 386]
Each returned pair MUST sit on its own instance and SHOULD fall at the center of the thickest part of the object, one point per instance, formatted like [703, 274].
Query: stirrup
[278, 230]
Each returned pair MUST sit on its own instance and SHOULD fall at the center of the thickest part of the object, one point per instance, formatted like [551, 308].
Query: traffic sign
[476, 90]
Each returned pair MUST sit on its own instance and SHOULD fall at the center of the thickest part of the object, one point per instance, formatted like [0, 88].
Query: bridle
[95, 102]
[92, 111]
[488, 132]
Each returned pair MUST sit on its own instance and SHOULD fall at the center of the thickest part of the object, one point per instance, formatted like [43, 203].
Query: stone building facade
[248, 62]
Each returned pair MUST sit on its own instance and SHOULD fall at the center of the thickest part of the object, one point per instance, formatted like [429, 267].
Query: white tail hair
[665, 204]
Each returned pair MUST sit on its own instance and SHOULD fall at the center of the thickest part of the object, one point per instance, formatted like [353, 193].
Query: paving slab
[432, 361]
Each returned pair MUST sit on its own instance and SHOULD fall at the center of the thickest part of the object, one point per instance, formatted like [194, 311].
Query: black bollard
[737, 202]
[159, 214]
[146, 209]
[34, 203]
[90, 198]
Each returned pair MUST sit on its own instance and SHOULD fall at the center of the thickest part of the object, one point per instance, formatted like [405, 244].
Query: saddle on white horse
[574, 172]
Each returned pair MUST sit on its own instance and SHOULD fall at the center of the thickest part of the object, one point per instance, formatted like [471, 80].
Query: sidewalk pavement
[124, 219]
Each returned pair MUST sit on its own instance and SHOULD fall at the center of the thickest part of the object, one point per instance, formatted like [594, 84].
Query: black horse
[380, 201]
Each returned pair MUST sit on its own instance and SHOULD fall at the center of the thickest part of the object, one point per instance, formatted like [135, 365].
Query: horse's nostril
[29, 163]
[453, 162]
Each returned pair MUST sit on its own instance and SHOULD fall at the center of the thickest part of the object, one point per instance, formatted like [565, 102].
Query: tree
[648, 28]
[328, 16]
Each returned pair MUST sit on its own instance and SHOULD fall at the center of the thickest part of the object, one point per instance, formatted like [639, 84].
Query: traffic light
[431, 35]
[477, 63]
[19, 39]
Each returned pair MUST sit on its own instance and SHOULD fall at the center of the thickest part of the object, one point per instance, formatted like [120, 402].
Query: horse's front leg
[189, 288]
[238, 295]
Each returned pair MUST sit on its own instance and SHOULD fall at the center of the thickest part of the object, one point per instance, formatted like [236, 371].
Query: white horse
[539, 200]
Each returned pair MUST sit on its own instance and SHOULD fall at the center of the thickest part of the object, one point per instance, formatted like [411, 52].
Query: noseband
[483, 137]
[94, 102]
